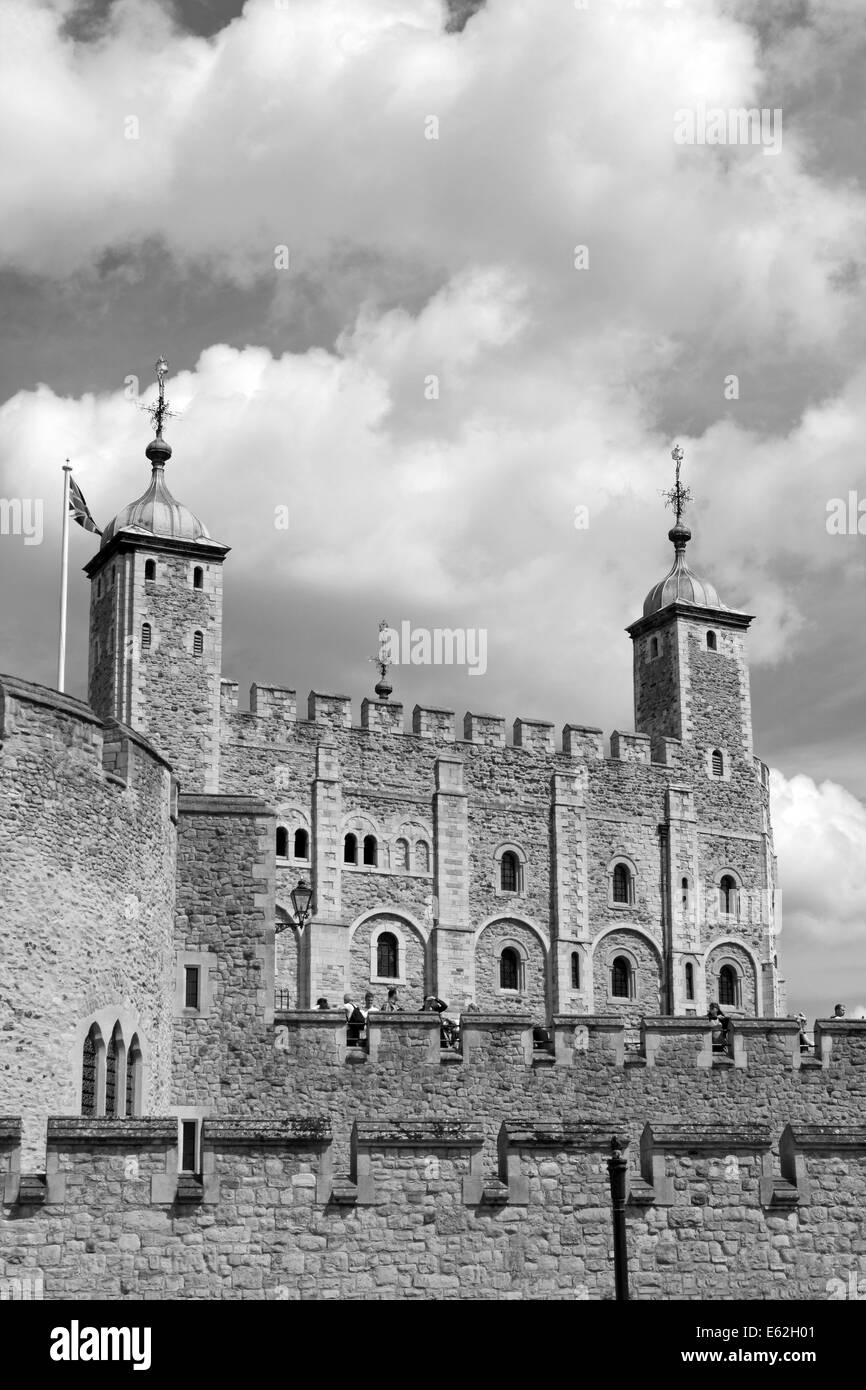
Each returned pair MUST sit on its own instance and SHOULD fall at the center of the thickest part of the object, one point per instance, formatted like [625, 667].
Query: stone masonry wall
[401, 1176]
[88, 871]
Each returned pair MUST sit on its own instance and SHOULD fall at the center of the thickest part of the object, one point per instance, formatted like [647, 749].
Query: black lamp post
[302, 907]
[617, 1168]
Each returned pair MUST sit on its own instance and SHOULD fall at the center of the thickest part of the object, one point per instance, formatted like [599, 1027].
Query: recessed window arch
[422, 857]
[575, 970]
[197, 643]
[92, 1069]
[729, 986]
[509, 872]
[621, 978]
[198, 577]
[301, 844]
[728, 896]
[133, 1078]
[113, 1060]
[371, 851]
[146, 635]
[401, 855]
[510, 968]
[350, 849]
[690, 981]
[622, 883]
[712, 642]
[282, 843]
[718, 763]
[387, 956]
[150, 571]
[654, 648]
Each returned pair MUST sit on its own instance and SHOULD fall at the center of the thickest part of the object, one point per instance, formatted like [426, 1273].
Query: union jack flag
[79, 508]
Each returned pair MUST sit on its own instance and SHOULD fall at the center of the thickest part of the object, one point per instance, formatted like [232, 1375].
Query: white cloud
[820, 839]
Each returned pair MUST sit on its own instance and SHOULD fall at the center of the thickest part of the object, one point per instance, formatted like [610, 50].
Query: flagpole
[64, 565]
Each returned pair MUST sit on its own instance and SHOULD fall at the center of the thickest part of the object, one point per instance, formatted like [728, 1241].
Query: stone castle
[181, 1122]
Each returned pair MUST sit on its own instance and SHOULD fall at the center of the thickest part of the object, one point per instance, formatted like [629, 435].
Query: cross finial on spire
[383, 661]
[677, 496]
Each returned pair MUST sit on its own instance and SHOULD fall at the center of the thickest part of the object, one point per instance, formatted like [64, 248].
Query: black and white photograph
[432, 758]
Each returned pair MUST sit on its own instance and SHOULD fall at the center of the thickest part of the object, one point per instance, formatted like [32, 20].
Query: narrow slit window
[145, 637]
[718, 763]
[197, 643]
[191, 986]
[198, 577]
[690, 980]
[711, 642]
[575, 970]
[189, 1146]
[150, 571]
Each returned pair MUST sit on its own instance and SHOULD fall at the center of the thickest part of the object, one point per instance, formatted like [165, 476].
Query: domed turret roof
[681, 584]
[156, 512]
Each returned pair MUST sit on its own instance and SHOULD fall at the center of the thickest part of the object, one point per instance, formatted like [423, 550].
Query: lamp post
[302, 907]
[617, 1168]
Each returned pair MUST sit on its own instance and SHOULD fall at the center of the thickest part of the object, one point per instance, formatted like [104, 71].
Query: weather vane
[677, 496]
[160, 412]
[383, 661]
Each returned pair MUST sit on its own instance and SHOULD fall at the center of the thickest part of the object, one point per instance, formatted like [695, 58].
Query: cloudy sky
[352, 227]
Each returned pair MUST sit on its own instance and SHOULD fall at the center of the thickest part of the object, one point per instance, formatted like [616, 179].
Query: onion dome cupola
[156, 512]
[681, 584]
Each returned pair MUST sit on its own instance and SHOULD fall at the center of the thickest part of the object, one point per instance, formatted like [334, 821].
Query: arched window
[622, 884]
[727, 985]
[620, 978]
[690, 980]
[654, 647]
[509, 969]
[350, 849]
[575, 970]
[197, 643]
[198, 577]
[133, 1078]
[302, 844]
[282, 842]
[728, 896]
[387, 957]
[509, 872]
[145, 637]
[150, 571]
[370, 850]
[684, 889]
[401, 855]
[422, 857]
[89, 1073]
[718, 763]
[711, 641]
[111, 1068]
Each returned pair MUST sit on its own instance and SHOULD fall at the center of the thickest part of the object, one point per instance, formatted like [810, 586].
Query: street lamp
[302, 907]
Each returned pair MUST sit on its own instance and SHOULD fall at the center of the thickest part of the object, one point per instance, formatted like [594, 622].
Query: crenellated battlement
[536, 737]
